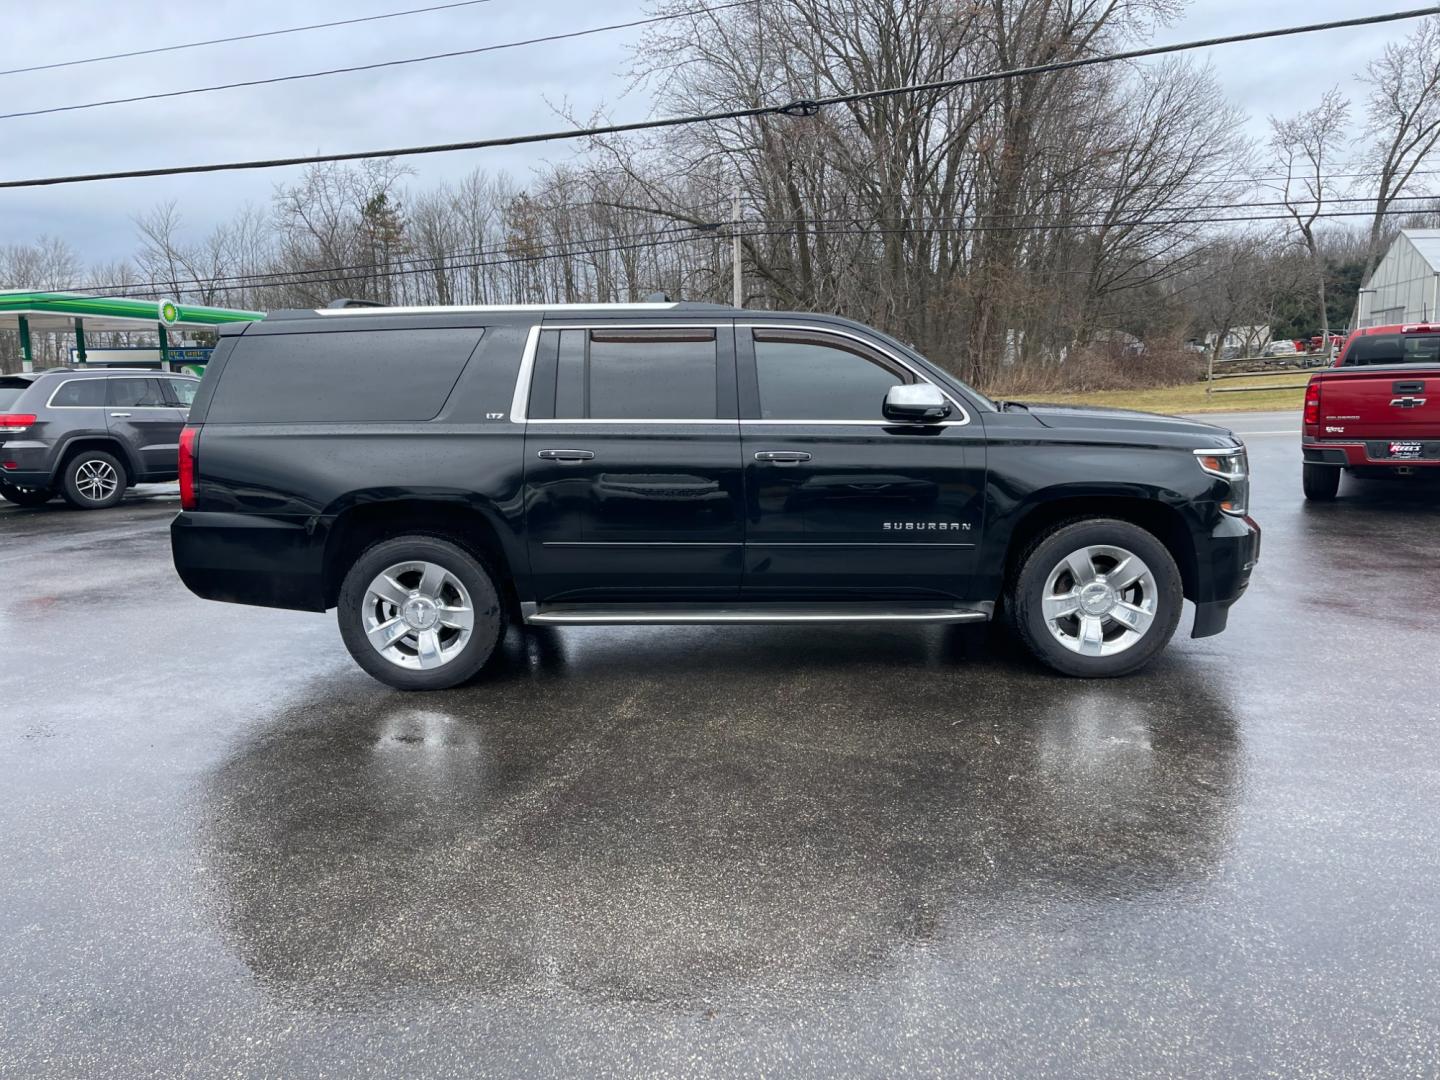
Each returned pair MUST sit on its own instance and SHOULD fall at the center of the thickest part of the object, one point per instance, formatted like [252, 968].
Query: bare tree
[1306, 145]
[1402, 122]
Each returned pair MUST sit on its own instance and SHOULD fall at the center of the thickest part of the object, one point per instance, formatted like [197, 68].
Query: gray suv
[89, 435]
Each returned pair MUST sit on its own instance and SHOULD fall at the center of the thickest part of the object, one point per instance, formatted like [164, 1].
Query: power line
[794, 108]
[435, 262]
[518, 259]
[243, 37]
[364, 67]
[661, 238]
[1183, 209]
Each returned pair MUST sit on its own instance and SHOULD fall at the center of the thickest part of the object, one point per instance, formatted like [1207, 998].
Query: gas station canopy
[26, 311]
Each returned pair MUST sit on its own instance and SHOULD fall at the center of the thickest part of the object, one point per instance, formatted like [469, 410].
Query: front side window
[80, 394]
[807, 377]
[137, 393]
[636, 375]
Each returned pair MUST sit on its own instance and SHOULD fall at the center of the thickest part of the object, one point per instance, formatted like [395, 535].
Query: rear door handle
[118, 415]
[566, 455]
[782, 457]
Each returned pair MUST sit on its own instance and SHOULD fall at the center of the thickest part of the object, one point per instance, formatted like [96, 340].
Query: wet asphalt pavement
[225, 851]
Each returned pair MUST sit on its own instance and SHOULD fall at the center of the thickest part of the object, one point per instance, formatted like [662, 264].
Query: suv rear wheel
[25, 496]
[1321, 482]
[420, 613]
[1096, 598]
[93, 480]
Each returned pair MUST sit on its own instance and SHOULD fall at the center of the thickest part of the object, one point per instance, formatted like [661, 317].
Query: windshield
[1394, 349]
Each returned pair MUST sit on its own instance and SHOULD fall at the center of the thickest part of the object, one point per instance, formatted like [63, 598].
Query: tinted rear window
[341, 377]
[1394, 349]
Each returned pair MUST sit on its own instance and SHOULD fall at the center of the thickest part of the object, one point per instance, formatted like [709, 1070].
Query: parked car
[434, 472]
[1376, 412]
[89, 435]
[1280, 348]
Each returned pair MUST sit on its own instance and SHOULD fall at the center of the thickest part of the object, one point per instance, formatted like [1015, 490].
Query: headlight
[1233, 466]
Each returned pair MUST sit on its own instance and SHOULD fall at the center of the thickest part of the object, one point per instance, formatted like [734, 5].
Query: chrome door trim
[756, 616]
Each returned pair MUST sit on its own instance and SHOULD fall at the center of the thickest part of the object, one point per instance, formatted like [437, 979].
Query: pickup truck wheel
[1097, 598]
[93, 480]
[25, 496]
[420, 613]
[1321, 482]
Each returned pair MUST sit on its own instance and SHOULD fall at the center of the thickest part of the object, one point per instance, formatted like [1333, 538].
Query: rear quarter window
[340, 377]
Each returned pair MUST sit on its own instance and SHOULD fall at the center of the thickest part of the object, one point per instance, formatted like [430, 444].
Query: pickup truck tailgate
[1380, 403]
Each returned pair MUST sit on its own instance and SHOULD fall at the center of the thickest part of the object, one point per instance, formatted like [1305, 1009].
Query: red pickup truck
[1376, 412]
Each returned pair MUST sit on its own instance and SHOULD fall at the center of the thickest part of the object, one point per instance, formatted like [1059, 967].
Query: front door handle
[566, 455]
[119, 415]
[782, 457]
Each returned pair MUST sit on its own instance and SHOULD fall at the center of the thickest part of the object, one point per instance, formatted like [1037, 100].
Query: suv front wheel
[1096, 598]
[420, 613]
[93, 480]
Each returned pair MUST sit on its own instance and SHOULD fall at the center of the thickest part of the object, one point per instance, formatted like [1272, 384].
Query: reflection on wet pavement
[560, 825]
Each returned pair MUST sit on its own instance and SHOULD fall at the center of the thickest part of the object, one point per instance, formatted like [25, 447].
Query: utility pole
[735, 251]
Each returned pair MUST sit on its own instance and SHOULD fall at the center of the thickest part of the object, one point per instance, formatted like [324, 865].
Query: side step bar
[736, 613]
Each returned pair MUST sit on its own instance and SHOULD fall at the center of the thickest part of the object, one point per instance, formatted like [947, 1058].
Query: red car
[1376, 411]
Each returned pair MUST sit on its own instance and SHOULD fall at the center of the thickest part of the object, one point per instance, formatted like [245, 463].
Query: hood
[1100, 418]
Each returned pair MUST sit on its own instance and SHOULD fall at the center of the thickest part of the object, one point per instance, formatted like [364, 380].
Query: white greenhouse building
[1405, 287]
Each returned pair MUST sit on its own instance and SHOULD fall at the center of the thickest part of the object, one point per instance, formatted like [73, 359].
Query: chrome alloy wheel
[418, 615]
[96, 480]
[1100, 600]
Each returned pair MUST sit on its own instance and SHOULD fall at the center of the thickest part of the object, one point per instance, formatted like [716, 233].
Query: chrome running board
[757, 613]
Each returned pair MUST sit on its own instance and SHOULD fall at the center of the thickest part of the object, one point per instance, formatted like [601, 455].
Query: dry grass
[1187, 398]
[1165, 379]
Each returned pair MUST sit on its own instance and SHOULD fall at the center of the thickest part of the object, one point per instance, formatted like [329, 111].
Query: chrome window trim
[519, 401]
[521, 398]
[876, 347]
[105, 379]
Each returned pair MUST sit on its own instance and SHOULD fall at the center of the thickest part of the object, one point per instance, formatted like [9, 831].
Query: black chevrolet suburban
[436, 473]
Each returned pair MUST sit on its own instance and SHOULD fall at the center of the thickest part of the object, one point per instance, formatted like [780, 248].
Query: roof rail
[349, 302]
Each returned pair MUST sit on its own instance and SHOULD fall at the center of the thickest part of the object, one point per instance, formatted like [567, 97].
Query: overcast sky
[447, 100]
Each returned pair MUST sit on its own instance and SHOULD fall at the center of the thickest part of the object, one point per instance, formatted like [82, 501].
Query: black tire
[1045, 555]
[469, 656]
[93, 480]
[1321, 482]
[25, 496]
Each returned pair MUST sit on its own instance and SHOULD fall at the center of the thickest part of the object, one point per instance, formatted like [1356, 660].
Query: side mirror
[918, 403]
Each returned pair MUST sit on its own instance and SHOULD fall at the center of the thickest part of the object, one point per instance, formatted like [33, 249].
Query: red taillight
[1312, 404]
[15, 422]
[188, 435]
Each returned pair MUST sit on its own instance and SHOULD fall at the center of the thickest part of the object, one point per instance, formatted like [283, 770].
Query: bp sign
[169, 312]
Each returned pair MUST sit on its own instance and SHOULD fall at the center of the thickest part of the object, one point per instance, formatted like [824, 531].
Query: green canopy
[25, 311]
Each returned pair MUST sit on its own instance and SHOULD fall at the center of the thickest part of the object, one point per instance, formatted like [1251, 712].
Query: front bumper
[249, 559]
[1226, 559]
